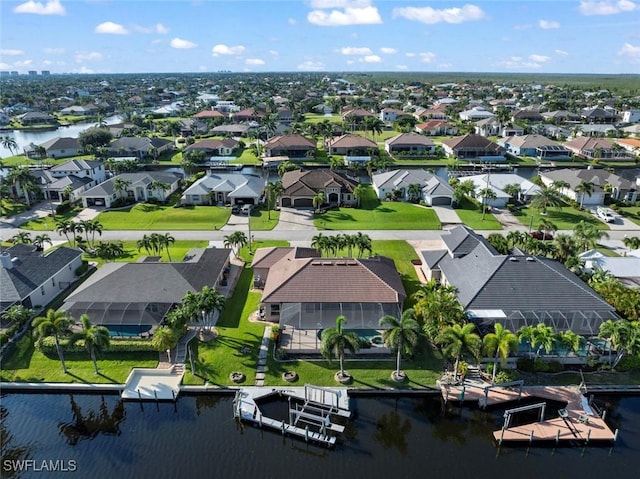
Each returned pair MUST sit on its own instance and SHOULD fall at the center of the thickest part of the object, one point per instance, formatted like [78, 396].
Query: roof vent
[530, 259]
[515, 260]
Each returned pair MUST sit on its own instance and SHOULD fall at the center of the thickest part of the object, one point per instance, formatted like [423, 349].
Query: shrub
[525, 365]
[507, 376]
[628, 363]
[48, 346]
[82, 269]
[63, 207]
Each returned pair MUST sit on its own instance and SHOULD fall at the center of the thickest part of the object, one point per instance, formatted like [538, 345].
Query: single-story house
[309, 293]
[498, 182]
[598, 115]
[620, 188]
[561, 116]
[436, 127]
[597, 148]
[473, 147]
[301, 186]
[293, 146]
[32, 278]
[536, 146]
[62, 147]
[514, 290]
[408, 144]
[209, 115]
[265, 258]
[139, 147]
[234, 129]
[475, 114]
[433, 190]
[223, 188]
[36, 118]
[140, 186]
[212, 147]
[351, 145]
[624, 268]
[134, 297]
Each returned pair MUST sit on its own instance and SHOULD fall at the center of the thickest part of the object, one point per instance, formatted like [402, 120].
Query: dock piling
[615, 435]
[588, 435]
[306, 433]
[558, 436]
[604, 414]
[531, 437]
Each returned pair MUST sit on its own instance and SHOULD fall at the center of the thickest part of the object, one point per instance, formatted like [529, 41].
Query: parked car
[235, 209]
[605, 214]
[541, 235]
[246, 210]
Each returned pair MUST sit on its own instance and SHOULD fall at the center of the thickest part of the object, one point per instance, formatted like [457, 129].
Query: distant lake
[410, 437]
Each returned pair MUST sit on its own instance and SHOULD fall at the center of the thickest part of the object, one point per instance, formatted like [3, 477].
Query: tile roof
[61, 143]
[471, 141]
[235, 184]
[409, 139]
[143, 177]
[352, 141]
[77, 165]
[289, 141]
[301, 182]
[267, 257]
[332, 280]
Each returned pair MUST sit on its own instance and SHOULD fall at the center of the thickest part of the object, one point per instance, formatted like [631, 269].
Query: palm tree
[144, 242]
[56, 324]
[164, 339]
[235, 241]
[499, 344]
[363, 243]
[414, 190]
[458, 339]
[165, 240]
[624, 337]
[546, 198]
[564, 247]
[210, 301]
[584, 188]
[559, 185]
[92, 227]
[359, 192]
[547, 226]
[401, 335]
[22, 237]
[334, 341]
[96, 338]
[188, 166]
[274, 190]
[513, 190]
[571, 341]
[587, 236]
[9, 143]
[285, 166]
[320, 242]
[318, 201]
[541, 335]
[159, 186]
[67, 228]
[40, 240]
[632, 242]
[120, 185]
[17, 314]
[487, 195]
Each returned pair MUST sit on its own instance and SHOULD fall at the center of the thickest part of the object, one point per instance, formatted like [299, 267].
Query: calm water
[405, 437]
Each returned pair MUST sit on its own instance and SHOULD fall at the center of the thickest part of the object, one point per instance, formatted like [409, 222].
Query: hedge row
[48, 346]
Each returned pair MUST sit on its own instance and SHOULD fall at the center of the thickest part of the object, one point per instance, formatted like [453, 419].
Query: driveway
[237, 222]
[447, 215]
[88, 213]
[295, 219]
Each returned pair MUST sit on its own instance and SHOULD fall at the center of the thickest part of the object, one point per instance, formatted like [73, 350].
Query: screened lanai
[323, 315]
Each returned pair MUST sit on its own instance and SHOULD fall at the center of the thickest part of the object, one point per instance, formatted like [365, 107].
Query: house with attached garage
[214, 147]
[473, 148]
[513, 290]
[225, 188]
[536, 146]
[436, 127]
[409, 144]
[603, 182]
[32, 278]
[293, 146]
[139, 147]
[351, 145]
[432, 189]
[140, 186]
[61, 147]
[597, 148]
[301, 186]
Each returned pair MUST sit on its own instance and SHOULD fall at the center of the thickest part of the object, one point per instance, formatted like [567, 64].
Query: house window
[275, 310]
[42, 290]
[53, 282]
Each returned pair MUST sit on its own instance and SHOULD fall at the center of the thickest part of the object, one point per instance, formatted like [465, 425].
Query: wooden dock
[580, 424]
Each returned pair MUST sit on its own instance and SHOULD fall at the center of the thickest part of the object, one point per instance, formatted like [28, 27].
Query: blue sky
[121, 36]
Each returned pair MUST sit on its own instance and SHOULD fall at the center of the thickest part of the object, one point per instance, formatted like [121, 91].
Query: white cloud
[157, 28]
[428, 15]
[607, 7]
[354, 51]
[548, 24]
[522, 27]
[427, 57]
[88, 56]
[10, 53]
[539, 58]
[160, 28]
[181, 44]
[292, 21]
[254, 61]
[274, 53]
[222, 49]
[311, 66]
[630, 51]
[388, 50]
[402, 67]
[370, 59]
[52, 7]
[85, 70]
[519, 63]
[111, 28]
[367, 15]
[54, 51]
[320, 4]
[562, 53]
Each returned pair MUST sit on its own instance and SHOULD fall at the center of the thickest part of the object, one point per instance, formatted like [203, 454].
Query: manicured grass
[8, 207]
[607, 252]
[317, 118]
[471, 215]
[28, 364]
[565, 217]
[632, 213]
[260, 221]
[48, 223]
[247, 158]
[178, 251]
[376, 215]
[158, 217]
[217, 359]
[402, 254]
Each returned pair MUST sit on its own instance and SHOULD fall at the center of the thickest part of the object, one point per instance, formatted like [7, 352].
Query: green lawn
[158, 218]
[48, 223]
[260, 221]
[178, 251]
[8, 207]
[27, 364]
[376, 215]
[565, 218]
[402, 253]
[471, 215]
[631, 213]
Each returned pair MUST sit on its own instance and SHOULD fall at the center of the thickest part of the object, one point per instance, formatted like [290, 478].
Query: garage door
[303, 202]
[440, 201]
[285, 202]
[245, 201]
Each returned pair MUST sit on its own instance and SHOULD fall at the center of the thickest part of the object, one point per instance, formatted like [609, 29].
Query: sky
[157, 36]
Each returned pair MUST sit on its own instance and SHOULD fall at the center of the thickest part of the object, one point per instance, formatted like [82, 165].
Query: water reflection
[11, 451]
[89, 424]
[392, 430]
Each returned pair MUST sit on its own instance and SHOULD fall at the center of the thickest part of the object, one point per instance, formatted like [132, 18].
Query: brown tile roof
[335, 280]
[313, 180]
[352, 141]
[588, 143]
[471, 141]
[290, 141]
[409, 139]
[212, 144]
[209, 114]
[267, 257]
[428, 125]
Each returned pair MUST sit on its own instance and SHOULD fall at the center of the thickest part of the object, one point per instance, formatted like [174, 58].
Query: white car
[606, 215]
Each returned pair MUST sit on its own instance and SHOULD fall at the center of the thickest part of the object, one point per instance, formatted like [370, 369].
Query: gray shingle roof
[144, 177]
[235, 184]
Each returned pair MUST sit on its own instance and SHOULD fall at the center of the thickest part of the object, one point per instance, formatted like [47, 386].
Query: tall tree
[499, 344]
[274, 190]
[546, 198]
[487, 195]
[400, 334]
[96, 338]
[10, 144]
[587, 236]
[56, 324]
[336, 340]
[456, 340]
[584, 188]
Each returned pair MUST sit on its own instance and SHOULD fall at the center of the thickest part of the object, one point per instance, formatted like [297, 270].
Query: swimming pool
[128, 331]
[372, 335]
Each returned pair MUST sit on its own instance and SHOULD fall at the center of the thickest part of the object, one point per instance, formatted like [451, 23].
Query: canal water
[96, 436]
